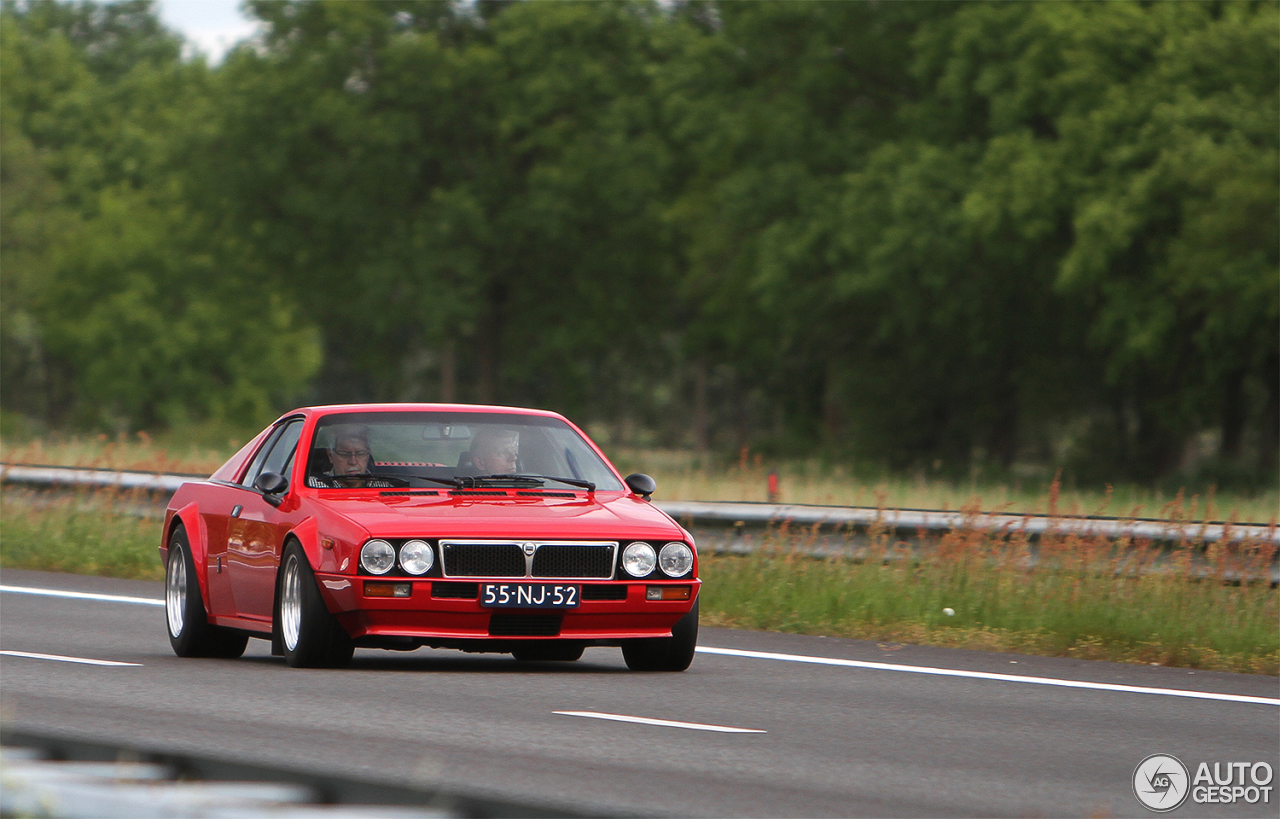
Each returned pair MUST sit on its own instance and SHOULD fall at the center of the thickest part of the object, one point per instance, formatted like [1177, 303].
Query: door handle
[235, 510]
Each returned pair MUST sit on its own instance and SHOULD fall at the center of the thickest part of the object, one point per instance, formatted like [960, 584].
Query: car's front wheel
[190, 632]
[310, 636]
[673, 653]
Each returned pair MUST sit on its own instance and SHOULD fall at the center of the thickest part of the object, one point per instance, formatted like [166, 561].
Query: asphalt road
[915, 732]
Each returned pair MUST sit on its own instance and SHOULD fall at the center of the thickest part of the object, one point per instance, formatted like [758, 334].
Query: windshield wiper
[529, 480]
[404, 478]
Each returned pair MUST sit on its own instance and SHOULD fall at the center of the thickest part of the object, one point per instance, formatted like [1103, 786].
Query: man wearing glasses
[349, 460]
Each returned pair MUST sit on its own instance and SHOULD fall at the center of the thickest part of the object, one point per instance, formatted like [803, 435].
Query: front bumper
[423, 617]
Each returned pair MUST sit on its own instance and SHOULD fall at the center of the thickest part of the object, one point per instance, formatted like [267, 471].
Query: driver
[349, 460]
[495, 451]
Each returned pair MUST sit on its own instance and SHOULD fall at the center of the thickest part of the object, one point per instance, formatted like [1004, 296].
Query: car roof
[339, 409]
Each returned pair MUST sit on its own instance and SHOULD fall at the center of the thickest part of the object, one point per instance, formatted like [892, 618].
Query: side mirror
[641, 484]
[271, 483]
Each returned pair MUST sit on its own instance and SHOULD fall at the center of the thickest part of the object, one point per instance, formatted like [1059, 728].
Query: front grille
[604, 591]
[455, 591]
[483, 560]
[506, 624]
[552, 560]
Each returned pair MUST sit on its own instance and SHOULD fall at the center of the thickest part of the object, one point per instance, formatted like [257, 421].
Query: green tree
[132, 310]
[472, 198]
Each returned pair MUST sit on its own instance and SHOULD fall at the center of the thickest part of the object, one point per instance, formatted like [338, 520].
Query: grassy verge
[1085, 597]
[89, 534]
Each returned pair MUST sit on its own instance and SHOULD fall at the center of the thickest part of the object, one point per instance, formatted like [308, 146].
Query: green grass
[1087, 598]
[84, 535]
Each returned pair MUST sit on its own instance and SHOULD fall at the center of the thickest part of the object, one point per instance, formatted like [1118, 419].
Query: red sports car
[405, 525]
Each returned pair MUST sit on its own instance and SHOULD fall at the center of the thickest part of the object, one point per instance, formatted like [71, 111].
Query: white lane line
[107, 598]
[59, 658]
[985, 675]
[662, 723]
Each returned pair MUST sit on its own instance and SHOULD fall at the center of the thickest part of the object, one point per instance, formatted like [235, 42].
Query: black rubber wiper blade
[578, 482]
[493, 480]
[404, 478]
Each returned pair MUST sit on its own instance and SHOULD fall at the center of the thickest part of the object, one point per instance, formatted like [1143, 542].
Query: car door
[219, 509]
[256, 530]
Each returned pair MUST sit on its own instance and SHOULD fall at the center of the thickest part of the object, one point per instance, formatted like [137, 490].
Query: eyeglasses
[351, 456]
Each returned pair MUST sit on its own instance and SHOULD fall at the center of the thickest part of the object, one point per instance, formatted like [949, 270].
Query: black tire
[310, 636]
[549, 651]
[673, 653]
[190, 632]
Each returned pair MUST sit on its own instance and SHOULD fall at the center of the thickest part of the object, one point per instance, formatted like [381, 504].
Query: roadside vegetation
[91, 533]
[949, 238]
[1090, 598]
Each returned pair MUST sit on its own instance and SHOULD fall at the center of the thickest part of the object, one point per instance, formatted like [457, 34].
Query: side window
[281, 456]
[275, 453]
[255, 466]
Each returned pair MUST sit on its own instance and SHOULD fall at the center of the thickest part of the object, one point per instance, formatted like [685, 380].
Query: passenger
[495, 451]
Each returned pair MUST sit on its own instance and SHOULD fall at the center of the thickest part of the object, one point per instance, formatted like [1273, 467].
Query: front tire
[190, 632]
[310, 636]
[674, 653]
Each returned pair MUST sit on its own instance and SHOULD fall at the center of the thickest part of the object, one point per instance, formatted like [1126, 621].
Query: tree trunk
[1233, 415]
[700, 405]
[449, 372]
[489, 344]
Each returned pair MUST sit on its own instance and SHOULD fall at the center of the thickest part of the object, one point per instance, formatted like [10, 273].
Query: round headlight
[639, 559]
[377, 557]
[416, 557]
[676, 559]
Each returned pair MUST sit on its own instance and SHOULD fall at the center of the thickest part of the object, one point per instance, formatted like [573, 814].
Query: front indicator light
[375, 589]
[666, 592]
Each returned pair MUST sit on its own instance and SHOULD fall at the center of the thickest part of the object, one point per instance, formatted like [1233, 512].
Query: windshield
[430, 449]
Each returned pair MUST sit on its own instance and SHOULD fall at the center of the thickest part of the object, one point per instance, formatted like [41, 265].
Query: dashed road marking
[59, 658]
[103, 598]
[662, 723]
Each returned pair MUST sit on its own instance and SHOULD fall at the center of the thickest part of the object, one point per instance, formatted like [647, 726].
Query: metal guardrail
[720, 514]
[913, 521]
[76, 477]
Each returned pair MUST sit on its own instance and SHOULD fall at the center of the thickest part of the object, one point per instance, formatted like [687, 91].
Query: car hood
[612, 516]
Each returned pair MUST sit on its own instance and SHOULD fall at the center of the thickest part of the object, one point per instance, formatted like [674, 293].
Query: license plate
[529, 595]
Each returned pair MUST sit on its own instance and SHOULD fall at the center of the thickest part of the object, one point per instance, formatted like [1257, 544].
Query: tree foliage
[923, 233]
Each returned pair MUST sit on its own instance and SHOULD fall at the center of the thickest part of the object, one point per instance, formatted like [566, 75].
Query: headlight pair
[378, 557]
[675, 559]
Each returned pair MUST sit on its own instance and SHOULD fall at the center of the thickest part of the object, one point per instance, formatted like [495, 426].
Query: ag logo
[1161, 782]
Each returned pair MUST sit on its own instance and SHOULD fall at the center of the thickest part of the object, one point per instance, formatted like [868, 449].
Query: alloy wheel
[175, 592]
[291, 604]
